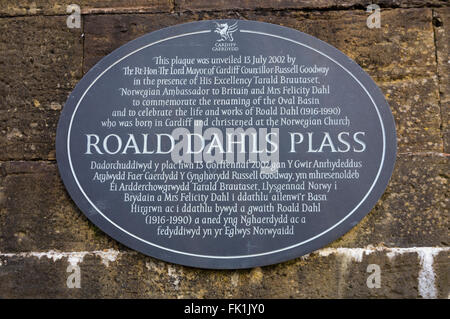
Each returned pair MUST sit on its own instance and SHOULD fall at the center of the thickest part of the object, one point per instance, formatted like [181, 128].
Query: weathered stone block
[33, 278]
[413, 210]
[37, 214]
[105, 33]
[402, 48]
[398, 277]
[49, 7]
[341, 273]
[441, 22]
[40, 63]
[200, 5]
[415, 107]
[441, 266]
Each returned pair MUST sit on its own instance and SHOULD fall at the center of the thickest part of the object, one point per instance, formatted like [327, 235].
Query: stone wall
[42, 232]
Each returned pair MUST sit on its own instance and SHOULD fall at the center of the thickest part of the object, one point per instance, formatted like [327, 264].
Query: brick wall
[42, 232]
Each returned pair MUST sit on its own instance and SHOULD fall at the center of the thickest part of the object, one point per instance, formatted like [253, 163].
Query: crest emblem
[225, 31]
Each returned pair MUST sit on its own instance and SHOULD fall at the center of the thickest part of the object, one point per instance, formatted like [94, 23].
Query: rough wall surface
[42, 232]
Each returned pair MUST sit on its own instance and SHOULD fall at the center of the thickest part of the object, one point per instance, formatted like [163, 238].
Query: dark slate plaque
[226, 144]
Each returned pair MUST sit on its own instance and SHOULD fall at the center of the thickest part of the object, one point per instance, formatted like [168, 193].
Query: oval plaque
[226, 144]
